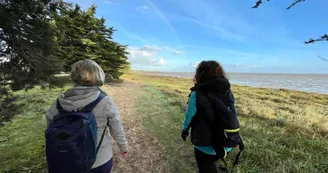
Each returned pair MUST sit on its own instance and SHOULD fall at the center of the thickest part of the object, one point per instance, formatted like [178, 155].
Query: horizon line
[290, 73]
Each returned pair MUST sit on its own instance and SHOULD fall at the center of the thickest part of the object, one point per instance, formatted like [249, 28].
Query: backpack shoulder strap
[102, 138]
[59, 107]
[217, 101]
[102, 94]
[241, 149]
[90, 106]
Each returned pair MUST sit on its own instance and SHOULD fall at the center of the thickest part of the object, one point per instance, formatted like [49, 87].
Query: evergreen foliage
[87, 37]
[40, 38]
[26, 39]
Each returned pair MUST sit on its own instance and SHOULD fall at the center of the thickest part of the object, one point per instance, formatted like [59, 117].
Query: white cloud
[165, 48]
[194, 64]
[152, 48]
[176, 52]
[159, 62]
[150, 55]
[111, 2]
[143, 9]
[146, 56]
[173, 50]
[243, 66]
[251, 66]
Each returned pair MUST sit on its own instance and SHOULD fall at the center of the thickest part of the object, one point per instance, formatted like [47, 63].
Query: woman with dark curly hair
[210, 78]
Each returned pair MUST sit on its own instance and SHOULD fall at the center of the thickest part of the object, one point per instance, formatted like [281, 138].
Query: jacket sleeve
[190, 111]
[115, 126]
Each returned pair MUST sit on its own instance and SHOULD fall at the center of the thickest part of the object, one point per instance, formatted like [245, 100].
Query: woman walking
[84, 98]
[209, 79]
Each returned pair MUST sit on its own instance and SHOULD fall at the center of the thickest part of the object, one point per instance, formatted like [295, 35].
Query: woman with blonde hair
[77, 138]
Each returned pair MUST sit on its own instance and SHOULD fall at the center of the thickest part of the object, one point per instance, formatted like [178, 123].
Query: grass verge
[22, 138]
[161, 120]
[22, 127]
[283, 130]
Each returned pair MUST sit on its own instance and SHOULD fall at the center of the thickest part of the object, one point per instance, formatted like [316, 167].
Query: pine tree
[26, 39]
[81, 35]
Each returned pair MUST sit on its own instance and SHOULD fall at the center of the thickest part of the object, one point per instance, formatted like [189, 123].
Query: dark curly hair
[208, 69]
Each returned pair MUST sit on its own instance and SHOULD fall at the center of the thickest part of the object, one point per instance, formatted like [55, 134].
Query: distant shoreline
[250, 73]
[308, 83]
[288, 123]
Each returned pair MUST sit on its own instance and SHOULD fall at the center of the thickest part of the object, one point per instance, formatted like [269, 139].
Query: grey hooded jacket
[79, 96]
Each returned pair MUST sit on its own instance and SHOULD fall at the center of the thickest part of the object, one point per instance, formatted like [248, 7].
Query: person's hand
[184, 135]
[124, 154]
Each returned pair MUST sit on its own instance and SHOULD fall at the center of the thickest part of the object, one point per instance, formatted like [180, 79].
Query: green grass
[22, 138]
[161, 119]
[22, 133]
[283, 130]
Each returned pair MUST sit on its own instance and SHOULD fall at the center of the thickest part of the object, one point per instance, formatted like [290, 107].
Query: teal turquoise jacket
[189, 114]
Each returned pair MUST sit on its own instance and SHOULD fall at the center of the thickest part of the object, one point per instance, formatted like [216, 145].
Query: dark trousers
[205, 162]
[105, 168]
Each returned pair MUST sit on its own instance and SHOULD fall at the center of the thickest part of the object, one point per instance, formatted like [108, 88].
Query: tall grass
[160, 118]
[283, 130]
[22, 138]
[22, 134]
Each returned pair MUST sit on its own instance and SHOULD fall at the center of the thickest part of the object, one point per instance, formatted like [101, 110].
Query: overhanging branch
[322, 58]
[259, 2]
[294, 3]
[322, 38]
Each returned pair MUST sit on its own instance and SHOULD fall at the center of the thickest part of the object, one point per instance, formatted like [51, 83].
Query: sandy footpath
[145, 155]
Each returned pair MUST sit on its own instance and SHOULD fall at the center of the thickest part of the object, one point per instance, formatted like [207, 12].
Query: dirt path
[145, 154]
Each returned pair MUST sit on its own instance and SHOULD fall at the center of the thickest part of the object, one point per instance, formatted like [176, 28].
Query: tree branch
[322, 58]
[258, 3]
[294, 3]
[322, 38]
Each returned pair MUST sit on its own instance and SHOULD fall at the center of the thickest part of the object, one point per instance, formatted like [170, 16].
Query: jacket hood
[78, 97]
[217, 84]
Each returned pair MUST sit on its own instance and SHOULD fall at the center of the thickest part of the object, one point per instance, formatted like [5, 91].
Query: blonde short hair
[87, 73]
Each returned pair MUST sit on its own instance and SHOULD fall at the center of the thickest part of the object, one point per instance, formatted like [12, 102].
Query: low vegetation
[22, 134]
[22, 126]
[22, 137]
[36, 43]
[283, 130]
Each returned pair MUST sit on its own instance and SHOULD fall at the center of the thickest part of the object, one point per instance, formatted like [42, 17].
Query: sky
[175, 35]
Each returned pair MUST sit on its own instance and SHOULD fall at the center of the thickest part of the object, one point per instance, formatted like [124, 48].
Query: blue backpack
[71, 140]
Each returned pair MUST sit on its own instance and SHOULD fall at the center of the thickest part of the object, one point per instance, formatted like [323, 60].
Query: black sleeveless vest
[203, 121]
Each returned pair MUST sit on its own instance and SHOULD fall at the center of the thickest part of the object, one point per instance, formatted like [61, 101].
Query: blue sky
[175, 35]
